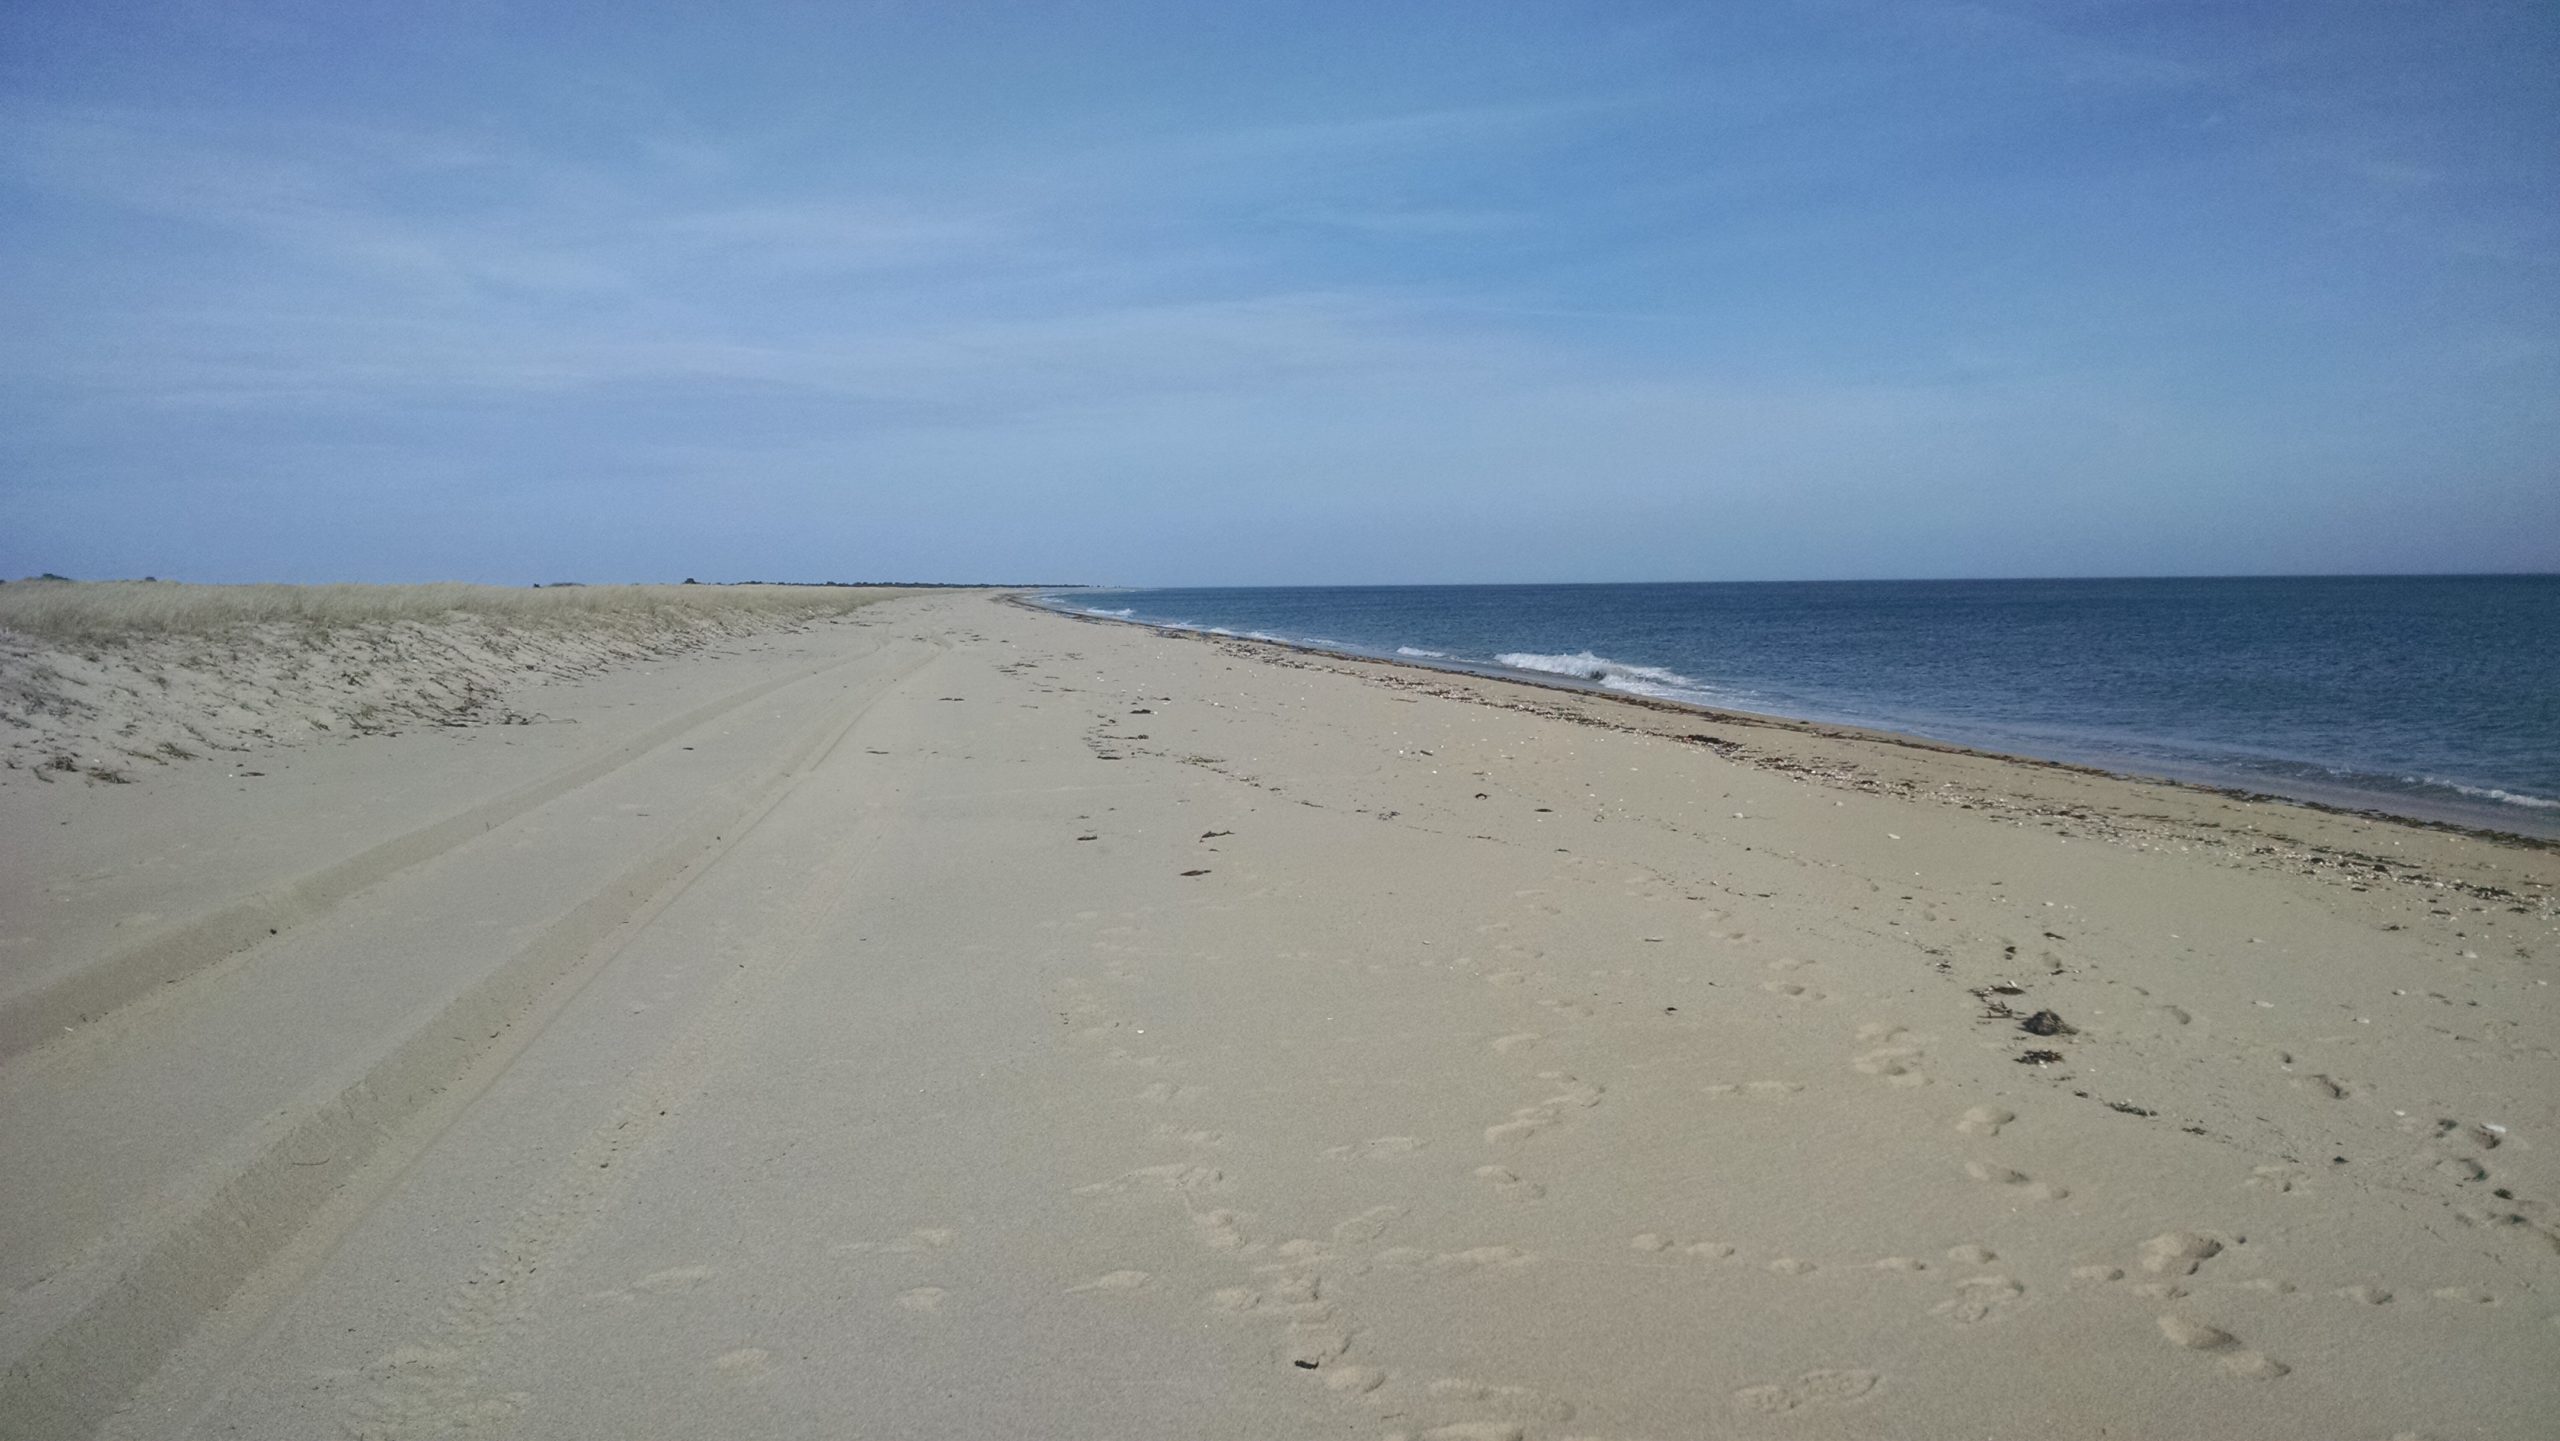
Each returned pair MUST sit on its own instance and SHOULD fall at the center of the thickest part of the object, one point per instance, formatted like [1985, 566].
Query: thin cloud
[1405, 221]
[828, 234]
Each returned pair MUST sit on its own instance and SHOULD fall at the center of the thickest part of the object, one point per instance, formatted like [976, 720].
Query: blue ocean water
[2431, 696]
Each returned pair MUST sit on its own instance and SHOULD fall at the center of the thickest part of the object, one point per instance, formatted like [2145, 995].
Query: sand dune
[955, 1020]
[100, 681]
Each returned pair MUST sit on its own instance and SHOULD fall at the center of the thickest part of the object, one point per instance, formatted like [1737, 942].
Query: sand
[952, 1020]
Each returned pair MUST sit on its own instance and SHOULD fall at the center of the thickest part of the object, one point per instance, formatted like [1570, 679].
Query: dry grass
[96, 612]
[98, 678]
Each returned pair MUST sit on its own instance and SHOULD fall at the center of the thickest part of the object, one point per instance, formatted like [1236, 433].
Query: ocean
[2436, 697]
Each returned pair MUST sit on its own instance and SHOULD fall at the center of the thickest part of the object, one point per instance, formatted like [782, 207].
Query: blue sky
[1309, 293]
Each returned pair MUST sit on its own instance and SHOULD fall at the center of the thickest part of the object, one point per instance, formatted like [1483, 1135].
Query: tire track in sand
[122, 1316]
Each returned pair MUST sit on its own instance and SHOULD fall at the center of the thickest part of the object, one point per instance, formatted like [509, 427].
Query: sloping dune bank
[104, 679]
[952, 1019]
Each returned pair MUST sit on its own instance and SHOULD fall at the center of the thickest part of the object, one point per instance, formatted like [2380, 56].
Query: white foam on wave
[1616, 675]
[2492, 793]
[1420, 654]
[1114, 614]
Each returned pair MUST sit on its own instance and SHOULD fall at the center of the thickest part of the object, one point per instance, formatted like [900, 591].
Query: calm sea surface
[2428, 696]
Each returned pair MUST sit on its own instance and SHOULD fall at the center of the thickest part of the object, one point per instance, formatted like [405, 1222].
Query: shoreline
[2448, 822]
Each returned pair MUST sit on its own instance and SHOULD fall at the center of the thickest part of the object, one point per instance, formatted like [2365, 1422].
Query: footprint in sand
[2194, 1335]
[679, 1278]
[2018, 1181]
[1893, 1056]
[1382, 1148]
[1766, 1090]
[1108, 1281]
[1819, 1388]
[1300, 1251]
[1354, 1380]
[2282, 1180]
[1985, 1120]
[921, 1298]
[915, 1242]
[1474, 1258]
[1484, 1258]
[1978, 1299]
[1210, 1140]
[1176, 1177]
[1585, 1094]
[1298, 1295]
[1524, 1123]
[1656, 1243]
[1308, 1346]
[1517, 1040]
[1368, 1226]
[2178, 1253]
[1221, 1229]
[1792, 991]
[1508, 1184]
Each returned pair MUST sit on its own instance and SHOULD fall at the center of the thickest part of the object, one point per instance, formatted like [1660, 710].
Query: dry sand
[951, 1020]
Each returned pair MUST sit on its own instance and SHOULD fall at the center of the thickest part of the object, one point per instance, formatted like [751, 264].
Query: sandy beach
[951, 1019]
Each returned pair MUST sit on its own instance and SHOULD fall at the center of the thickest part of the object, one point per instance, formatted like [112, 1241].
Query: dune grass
[104, 612]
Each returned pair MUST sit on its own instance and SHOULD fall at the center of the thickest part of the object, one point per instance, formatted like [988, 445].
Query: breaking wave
[1616, 675]
[2492, 793]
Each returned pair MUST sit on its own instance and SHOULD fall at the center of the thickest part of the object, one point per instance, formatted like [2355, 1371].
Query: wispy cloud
[832, 234]
[1405, 221]
[348, 201]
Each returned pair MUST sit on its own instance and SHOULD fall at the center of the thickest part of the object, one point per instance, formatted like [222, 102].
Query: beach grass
[104, 612]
